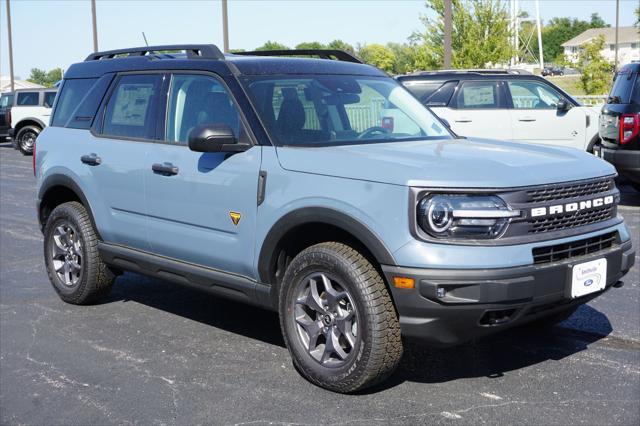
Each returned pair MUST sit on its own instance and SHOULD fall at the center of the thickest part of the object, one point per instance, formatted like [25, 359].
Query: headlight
[464, 216]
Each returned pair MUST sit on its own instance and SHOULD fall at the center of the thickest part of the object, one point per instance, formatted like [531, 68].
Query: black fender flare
[67, 182]
[320, 215]
[594, 140]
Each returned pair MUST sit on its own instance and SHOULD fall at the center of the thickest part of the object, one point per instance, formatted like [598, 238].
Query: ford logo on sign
[587, 283]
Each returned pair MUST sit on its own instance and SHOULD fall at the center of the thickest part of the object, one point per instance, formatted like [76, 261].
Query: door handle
[91, 159]
[167, 169]
[526, 119]
[463, 120]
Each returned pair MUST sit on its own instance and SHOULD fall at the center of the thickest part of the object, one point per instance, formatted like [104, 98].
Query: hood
[461, 163]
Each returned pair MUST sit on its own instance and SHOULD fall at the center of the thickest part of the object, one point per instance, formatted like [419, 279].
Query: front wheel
[338, 320]
[26, 139]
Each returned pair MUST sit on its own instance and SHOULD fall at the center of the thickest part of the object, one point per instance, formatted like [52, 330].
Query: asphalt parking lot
[156, 353]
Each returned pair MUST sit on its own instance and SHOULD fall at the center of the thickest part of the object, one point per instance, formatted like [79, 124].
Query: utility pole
[539, 35]
[447, 34]
[615, 66]
[10, 45]
[95, 25]
[225, 27]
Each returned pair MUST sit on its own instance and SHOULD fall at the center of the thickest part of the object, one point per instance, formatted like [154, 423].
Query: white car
[30, 114]
[506, 104]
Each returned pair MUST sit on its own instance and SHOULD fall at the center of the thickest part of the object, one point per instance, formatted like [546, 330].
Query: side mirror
[214, 138]
[563, 105]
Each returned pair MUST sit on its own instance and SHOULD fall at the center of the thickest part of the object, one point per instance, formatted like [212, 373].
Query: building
[5, 84]
[628, 44]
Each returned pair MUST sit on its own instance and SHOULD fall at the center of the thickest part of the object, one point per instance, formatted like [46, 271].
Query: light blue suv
[281, 182]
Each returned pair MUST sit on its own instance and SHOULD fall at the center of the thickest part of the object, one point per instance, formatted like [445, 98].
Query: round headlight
[439, 215]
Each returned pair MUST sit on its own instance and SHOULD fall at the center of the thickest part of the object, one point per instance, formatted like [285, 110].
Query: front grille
[574, 248]
[570, 220]
[566, 191]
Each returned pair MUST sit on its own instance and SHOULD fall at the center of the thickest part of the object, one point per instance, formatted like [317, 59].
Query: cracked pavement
[157, 353]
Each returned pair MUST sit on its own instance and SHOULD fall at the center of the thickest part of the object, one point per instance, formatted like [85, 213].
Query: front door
[203, 210]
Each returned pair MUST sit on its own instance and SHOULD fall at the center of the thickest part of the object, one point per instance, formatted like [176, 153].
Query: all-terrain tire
[378, 345]
[90, 279]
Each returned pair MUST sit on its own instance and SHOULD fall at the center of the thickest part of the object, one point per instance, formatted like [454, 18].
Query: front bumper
[479, 302]
[626, 162]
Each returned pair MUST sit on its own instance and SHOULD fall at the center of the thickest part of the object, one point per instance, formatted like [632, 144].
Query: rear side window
[442, 96]
[422, 89]
[49, 97]
[6, 101]
[27, 99]
[132, 108]
[478, 95]
[623, 91]
[72, 92]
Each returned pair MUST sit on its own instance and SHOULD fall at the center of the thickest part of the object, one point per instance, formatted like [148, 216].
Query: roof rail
[339, 55]
[475, 71]
[193, 51]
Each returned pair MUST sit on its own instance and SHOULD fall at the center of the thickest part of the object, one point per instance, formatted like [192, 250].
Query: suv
[272, 181]
[29, 115]
[620, 124]
[510, 105]
[6, 100]
[552, 70]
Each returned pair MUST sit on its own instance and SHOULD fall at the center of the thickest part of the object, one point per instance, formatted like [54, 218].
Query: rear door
[204, 211]
[478, 109]
[535, 118]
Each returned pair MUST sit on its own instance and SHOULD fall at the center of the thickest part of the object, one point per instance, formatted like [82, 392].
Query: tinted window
[532, 95]
[27, 98]
[442, 96]
[622, 89]
[49, 97]
[132, 107]
[422, 89]
[6, 100]
[71, 94]
[478, 94]
[195, 100]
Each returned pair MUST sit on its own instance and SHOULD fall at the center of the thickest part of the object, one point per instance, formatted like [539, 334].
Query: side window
[442, 96]
[49, 97]
[195, 100]
[478, 95]
[131, 110]
[27, 98]
[6, 101]
[532, 95]
[422, 89]
[71, 94]
[286, 97]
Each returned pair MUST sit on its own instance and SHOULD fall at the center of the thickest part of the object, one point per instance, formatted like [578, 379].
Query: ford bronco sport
[272, 181]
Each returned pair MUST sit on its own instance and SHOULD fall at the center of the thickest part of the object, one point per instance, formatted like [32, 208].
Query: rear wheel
[338, 319]
[26, 138]
[73, 263]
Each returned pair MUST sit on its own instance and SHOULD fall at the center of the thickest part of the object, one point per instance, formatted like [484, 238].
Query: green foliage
[379, 56]
[596, 71]
[272, 45]
[45, 78]
[341, 45]
[236, 50]
[480, 34]
[638, 17]
[560, 30]
[405, 55]
[310, 45]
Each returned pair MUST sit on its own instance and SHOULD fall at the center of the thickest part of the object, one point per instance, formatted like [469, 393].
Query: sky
[52, 33]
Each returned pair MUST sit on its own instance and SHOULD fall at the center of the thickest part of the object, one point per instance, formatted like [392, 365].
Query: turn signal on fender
[403, 282]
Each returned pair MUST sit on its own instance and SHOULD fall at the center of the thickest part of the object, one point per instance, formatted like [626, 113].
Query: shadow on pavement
[490, 357]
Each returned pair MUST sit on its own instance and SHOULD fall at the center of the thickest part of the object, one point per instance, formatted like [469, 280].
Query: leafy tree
[272, 45]
[45, 78]
[341, 45]
[638, 17]
[560, 30]
[310, 45]
[236, 50]
[597, 21]
[378, 56]
[405, 55]
[480, 34]
[596, 71]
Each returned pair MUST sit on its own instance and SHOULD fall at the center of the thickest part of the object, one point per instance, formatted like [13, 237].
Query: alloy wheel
[66, 252]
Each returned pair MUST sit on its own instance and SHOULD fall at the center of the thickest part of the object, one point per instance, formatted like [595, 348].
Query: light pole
[447, 34]
[615, 66]
[10, 45]
[95, 25]
[225, 27]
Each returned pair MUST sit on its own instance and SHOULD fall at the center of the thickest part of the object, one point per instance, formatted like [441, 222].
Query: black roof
[209, 57]
[497, 74]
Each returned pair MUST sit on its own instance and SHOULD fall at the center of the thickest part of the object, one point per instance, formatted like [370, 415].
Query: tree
[45, 78]
[378, 56]
[638, 17]
[272, 45]
[596, 71]
[310, 45]
[405, 58]
[560, 30]
[480, 34]
[341, 45]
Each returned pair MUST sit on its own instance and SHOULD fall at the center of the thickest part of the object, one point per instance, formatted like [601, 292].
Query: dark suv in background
[620, 124]
[6, 100]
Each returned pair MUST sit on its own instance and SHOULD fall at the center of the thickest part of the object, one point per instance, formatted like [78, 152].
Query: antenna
[145, 39]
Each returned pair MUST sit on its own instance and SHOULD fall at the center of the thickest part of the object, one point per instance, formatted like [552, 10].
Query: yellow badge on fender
[235, 217]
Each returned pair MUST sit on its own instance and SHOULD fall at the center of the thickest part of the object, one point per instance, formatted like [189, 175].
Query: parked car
[620, 124]
[552, 70]
[255, 178]
[29, 115]
[506, 104]
[6, 100]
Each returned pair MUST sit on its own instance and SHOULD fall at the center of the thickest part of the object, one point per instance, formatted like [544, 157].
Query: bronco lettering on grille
[572, 207]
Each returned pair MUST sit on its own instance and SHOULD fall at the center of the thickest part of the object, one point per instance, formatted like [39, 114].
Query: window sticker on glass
[131, 104]
[476, 96]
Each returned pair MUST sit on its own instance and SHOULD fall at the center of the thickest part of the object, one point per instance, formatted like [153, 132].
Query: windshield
[623, 91]
[339, 109]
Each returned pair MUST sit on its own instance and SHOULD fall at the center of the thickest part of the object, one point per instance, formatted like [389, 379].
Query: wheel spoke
[312, 329]
[58, 265]
[331, 294]
[67, 273]
[58, 246]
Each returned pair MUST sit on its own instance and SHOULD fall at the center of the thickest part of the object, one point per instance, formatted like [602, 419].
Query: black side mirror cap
[214, 138]
[563, 105]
